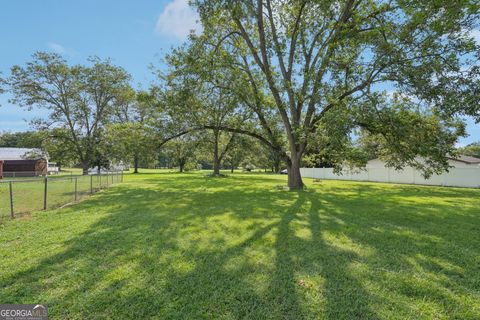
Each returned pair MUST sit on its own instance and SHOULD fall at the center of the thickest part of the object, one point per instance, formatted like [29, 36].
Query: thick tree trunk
[135, 163]
[294, 177]
[233, 168]
[216, 166]
[181, 166]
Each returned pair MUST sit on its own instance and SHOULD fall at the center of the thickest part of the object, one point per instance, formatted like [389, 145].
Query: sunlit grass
[187, 246]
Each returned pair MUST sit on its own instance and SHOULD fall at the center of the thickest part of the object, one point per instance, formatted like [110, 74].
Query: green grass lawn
[183, 246]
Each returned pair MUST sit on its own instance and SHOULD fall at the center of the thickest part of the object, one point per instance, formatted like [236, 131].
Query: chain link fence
[19, 196]
[7, 175]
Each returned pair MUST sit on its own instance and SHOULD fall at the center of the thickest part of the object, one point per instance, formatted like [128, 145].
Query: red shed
[23, 162]
[25, 168]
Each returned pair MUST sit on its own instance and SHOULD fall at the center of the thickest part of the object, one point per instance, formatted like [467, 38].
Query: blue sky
[134, 34]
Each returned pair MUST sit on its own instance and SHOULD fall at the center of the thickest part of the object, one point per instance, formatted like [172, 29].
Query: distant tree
[214, 147]
[259, 155]
[31, 139]
[473, 149]
[27, 139]
[274, 159]
[79, 100]
[181, 151]
[369, 144]
[131, 142]
[132, 136]
[58, 148]
[240, 149]
[8, 140]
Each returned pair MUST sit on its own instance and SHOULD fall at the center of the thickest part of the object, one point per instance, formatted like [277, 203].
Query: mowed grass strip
[184, 246]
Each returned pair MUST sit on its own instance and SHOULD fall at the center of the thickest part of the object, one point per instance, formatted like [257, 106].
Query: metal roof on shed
[467, 159]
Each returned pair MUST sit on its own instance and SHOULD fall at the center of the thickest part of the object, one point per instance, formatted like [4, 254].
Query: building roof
[460, 158]
[466, 159]
[21, 154]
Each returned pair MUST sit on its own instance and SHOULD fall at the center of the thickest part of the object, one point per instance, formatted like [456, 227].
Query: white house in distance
[461, 161]
[465, 172]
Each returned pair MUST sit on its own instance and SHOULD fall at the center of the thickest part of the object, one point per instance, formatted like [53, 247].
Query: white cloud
[57, 48]
[177, 19]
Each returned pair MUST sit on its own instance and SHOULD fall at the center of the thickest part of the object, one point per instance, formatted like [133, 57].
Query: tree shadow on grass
[237, 248]
[424, 249]
[127, 256]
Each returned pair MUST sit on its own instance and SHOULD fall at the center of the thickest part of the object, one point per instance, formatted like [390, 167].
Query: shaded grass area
[175, 246]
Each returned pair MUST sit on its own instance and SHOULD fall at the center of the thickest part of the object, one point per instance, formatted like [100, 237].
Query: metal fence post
[11, 200]
[76, 187]
[91, 184]
[45, 191]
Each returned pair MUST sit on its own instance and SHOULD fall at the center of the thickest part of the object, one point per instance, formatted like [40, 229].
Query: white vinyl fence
[456, 177]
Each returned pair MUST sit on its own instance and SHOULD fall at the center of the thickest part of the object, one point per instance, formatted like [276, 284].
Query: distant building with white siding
[465, 172]
[461, 161]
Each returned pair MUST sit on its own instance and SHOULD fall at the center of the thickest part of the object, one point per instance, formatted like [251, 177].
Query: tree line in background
[190, 152]
[273, 82]
[185, 153]
[95, 118]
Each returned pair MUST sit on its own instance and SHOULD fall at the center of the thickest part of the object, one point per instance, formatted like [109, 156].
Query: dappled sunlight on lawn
[189, 246]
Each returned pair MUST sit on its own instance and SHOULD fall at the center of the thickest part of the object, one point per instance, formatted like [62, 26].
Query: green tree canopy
[473, 149]
[182, 150]
[78, 100]
[27, 139]
[330, 61]
[132, 135]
